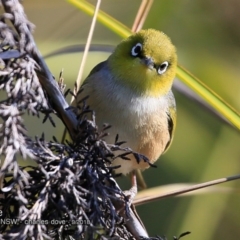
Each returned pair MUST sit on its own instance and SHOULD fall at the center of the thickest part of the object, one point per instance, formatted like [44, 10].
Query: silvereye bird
[131, 91]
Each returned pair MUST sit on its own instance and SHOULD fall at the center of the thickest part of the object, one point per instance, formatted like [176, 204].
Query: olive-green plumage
[131, 91]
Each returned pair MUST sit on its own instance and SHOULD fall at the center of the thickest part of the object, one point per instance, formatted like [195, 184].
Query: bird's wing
[172, 116]
[96, 69]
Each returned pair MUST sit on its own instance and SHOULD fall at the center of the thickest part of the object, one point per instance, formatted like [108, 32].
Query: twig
[185, 190]
[80, 73]
[141, 15]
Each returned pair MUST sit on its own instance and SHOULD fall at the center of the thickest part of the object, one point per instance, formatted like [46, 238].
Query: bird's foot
[130, 194]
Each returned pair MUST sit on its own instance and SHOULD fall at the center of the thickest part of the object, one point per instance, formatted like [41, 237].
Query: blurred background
[207, 36]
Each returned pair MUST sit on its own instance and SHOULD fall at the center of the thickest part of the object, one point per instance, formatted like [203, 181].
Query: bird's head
[145, 62]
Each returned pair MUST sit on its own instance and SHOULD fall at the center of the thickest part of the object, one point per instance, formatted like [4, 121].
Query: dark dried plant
[70, 192]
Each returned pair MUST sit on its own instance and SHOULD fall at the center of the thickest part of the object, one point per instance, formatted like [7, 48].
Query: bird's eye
[163, 67]
[136, 49]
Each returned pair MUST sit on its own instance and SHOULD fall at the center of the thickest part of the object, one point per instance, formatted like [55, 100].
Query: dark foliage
[70, 190]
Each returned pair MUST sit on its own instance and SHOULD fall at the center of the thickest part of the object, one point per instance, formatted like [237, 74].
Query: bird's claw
[130, 194]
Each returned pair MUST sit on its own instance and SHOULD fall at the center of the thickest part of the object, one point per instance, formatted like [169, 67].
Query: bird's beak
[148, 62]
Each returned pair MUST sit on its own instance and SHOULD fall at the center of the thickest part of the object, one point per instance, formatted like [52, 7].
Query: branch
[23, 28]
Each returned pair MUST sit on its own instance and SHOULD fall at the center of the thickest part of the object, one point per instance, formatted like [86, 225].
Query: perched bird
[131, 91]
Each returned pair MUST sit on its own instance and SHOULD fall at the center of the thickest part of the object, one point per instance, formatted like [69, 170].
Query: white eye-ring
[136, 49]
[163, 67]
